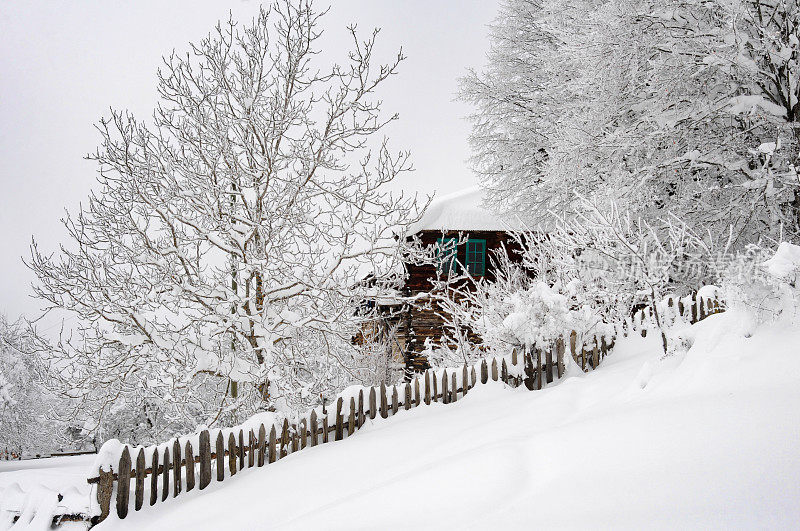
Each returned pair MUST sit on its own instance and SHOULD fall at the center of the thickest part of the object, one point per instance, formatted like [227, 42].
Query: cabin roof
[464, 210]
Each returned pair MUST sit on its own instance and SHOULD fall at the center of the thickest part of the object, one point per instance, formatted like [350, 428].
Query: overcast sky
[63, 64]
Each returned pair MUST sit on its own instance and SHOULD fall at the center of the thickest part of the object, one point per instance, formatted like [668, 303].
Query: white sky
[62, 65]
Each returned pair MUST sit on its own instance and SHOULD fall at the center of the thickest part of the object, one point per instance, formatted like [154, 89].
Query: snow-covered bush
[764, 283]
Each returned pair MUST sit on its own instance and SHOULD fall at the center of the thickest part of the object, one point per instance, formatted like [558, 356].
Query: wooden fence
[177, 467]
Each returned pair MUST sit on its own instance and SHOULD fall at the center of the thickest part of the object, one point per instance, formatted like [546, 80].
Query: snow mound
[464, 210]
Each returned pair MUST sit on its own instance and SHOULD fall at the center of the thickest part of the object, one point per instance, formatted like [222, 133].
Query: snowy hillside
[707, 439]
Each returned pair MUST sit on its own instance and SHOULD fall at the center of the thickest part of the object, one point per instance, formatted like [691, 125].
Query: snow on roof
[464, 210]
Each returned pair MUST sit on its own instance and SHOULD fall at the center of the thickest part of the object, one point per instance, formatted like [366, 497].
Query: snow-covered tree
[216, 268]
[683, 106]
[28, 409]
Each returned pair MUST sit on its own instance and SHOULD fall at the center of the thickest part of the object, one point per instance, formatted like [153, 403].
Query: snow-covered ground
[709, 439]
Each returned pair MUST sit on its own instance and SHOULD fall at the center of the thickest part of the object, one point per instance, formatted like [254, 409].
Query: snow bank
[706, 439]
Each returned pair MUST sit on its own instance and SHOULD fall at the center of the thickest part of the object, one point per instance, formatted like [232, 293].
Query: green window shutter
[446, 255]
[476, 257]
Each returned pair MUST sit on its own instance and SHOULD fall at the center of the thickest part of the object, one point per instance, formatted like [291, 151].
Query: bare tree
[227, 235]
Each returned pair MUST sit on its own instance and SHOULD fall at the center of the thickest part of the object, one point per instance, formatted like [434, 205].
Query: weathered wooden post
[165, 475]
[384, 402]
[232, 453]
[284, 439]
[484, 371]
[262, 444]
[105, 488]
[272, 452]
[464, 381]
[494, 369]
[427, 387]
[190, 465]
[560, 356]
[407, 397]
[123, 482]
[445, 393]
[373, 406]
[139, 497]
[351, 419]
[154, 478]
[339, 433]
[176, 470]
[394, 400]
[454, 386]
[361, 418]
[205, 459]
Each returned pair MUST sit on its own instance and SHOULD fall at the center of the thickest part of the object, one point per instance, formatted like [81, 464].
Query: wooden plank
[473, 377]
[373, 406]
[220, 457]
[361, 419]
[484, 371]
[454, 387]
[407, 397]
[262, 444]
[560, 356]
[176, 470]
[514, 356]
[595, 355]
[139, 497]
[232, 453]
[190, 466]
[339, 419]
[394, 400]
[549, 364]
[603, 348]
[384, 402]
[494, 369]
[539, 370]
[165, 475]
[123, 482]
[154, 478]
[417, 395]
[504, 371]
[325, 428]
[242, 449]
[303, 434]
[295, 438]
[445, 392]
[313, 428]
[464, 381]
[105, 490]
[273, 451]
[251, 454]
[530, 373]
[284, 444]
[427, 387]
[205, 459]
[701, 310]
[351, 419]
[573, 343]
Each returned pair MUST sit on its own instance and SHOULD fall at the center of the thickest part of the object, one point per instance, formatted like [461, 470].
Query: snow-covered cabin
[466, 232]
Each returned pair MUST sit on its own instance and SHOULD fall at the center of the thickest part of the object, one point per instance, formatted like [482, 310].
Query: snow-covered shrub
[764, 283]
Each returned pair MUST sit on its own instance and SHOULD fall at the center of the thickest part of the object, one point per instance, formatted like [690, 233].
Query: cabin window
[476, 257]
[446, 256]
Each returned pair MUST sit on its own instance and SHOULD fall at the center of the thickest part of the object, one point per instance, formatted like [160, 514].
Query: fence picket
[205, 459]
[427, 388]
[560, 356]
[394, 400]
[295, 438]
[154, 478]
[313, 428]
[325, 429]
[139, 479]
[454, 386]
[242, 449]
[504, 371]
[176, 471]
[384, 401]
[284, 438]
[339, 420]
[360, 408]
[513, 356]
[494, 369]
[232, 453]
[351, 419]
[473, 377]
[303, 434]
[530, 375]
[464, 381]
[272, 452]
[445, 393]
[123, 482]
[549, 366]
[373, 406]
[190, 466]
[262, 444]
[407, 397]
[220, 457]
[417, 397]
[484, 371]
[251, 445]
[539, 370]
[595, 355]
[165, 475]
